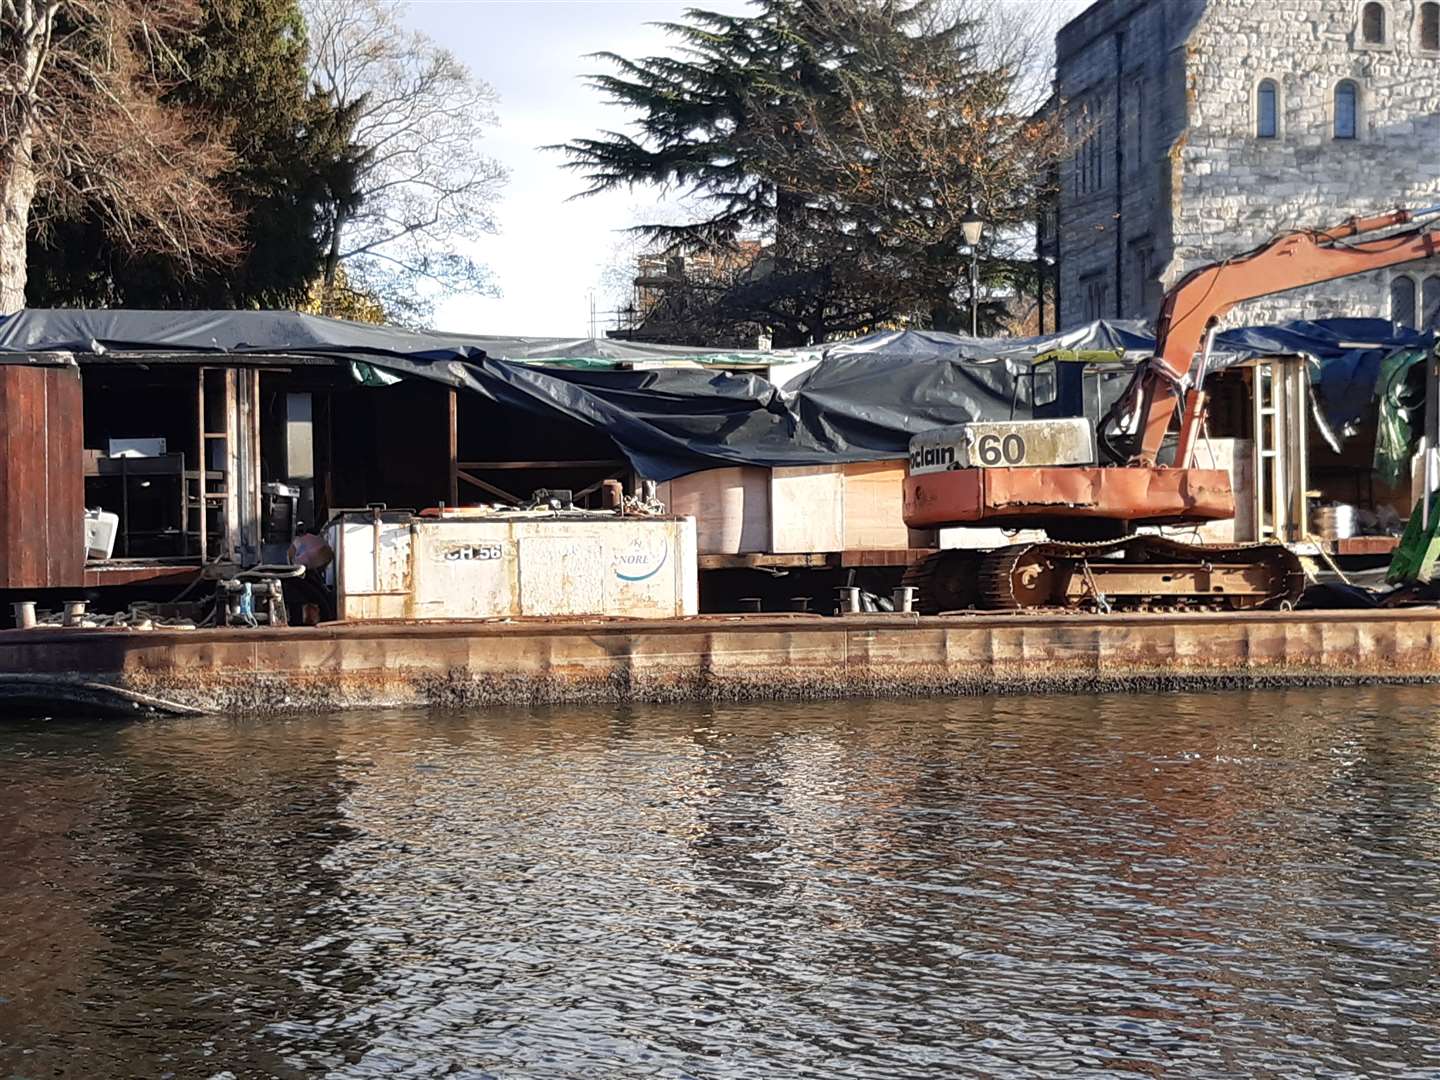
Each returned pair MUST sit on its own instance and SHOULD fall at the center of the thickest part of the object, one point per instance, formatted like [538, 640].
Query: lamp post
[972, 226]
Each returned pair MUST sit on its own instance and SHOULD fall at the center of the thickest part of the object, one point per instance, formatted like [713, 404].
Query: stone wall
[1196, 182]
[1237, 190]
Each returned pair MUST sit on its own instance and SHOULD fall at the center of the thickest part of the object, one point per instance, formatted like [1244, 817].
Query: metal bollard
[799, 603]
[24, 615]
[748, 604]
[903, 598]
[847, 600]
[74, 613]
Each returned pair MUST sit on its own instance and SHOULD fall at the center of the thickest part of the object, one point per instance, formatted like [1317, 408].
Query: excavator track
[945, 581]
[1135, 573]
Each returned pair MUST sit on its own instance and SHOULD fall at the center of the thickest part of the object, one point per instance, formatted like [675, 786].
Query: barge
[275, 671]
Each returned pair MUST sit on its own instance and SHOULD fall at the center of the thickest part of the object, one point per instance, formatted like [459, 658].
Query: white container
[510, 563]
[147, 447]
[100, 529]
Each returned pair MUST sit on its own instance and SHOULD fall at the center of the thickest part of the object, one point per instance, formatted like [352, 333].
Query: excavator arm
[1291, 260]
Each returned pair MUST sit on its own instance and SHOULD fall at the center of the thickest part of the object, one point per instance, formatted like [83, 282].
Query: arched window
[1372, 23]
[1267, 97]
[1402, 301]
[1347, 110]
[1430, 26]
[1430, 303]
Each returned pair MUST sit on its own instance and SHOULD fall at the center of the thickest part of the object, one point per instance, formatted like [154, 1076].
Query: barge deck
[348, 665]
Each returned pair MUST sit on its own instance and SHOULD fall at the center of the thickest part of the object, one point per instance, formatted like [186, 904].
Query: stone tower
[1203, 127]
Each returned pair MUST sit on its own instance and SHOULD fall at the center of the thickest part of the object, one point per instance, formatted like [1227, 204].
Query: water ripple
[1156, 886]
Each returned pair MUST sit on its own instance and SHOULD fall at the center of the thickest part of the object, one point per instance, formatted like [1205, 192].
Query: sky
[552, 250]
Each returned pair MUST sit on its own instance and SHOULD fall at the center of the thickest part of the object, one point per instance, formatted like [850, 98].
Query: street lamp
[972, 226]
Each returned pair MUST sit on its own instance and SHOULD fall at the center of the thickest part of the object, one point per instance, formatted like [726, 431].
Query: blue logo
[638, 564]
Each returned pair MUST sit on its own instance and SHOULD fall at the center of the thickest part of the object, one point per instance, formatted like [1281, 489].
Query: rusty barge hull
[251, 672]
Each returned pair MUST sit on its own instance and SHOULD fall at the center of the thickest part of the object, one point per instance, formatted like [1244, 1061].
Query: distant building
[1203, 127]
[678, 300]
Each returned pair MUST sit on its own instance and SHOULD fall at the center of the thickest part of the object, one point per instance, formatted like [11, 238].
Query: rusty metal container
[498, 563]
[42, 496]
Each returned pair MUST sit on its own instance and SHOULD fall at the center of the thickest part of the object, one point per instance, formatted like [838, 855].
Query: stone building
[1203, 127]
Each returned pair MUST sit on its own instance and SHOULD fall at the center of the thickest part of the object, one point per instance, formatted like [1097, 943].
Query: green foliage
[244, 67]
[850, 136]
[342, 300]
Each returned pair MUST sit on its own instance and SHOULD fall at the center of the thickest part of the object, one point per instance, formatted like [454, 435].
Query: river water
[1242, 884]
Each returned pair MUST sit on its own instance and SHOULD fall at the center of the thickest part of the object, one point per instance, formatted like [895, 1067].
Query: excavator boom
[1289, 261]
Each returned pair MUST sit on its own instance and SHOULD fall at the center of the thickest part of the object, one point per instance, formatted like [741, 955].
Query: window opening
[1139, 150]
[1372, 24]
[1346, 110]
[1142, 257]
[1097, 294]
[1430, 301]
[1266, 100]
[1402, 301]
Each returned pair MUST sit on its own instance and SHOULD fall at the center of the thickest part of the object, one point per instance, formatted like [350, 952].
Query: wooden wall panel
[41, 477]
[807, 509]
[731, 508]
[22, 396]
[65, 477]
[874, 499]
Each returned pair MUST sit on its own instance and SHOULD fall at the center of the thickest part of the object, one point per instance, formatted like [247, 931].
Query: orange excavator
[1046, 474]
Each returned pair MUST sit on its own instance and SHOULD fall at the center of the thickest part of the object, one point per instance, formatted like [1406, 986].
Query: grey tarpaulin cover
[861, 401]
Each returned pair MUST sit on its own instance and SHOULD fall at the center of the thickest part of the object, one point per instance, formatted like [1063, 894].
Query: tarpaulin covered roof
[293, 332]
[1123, 336]
[1348, 353]
[863, 400]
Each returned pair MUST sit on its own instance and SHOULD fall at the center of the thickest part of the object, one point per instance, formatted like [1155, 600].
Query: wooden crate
[807, 509]
[794, 510]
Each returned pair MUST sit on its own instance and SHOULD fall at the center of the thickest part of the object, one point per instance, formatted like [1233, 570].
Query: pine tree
[245, 67]
[850, 135]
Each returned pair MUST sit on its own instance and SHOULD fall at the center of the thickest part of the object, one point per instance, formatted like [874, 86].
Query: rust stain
[309, 669]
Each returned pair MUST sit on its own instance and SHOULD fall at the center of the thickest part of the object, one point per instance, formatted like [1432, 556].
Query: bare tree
[84, 122]
[425, 190]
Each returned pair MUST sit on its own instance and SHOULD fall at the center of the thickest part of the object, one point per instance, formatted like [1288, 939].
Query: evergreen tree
[851, 136]
[245, 67]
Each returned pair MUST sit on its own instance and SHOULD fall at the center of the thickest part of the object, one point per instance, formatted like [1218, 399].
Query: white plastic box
[512, 563]
[133, 448]
[100, 529]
